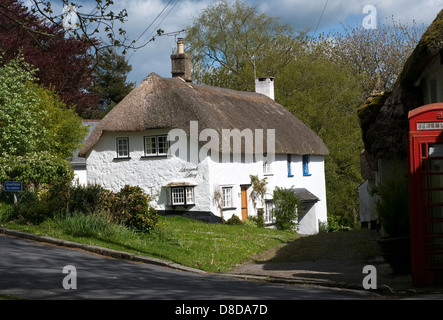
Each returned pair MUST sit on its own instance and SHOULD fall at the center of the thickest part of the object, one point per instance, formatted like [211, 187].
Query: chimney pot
[180, 46]
[181, 63]
[265, 85]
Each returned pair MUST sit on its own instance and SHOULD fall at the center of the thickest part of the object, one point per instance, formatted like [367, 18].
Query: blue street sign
[13, 186]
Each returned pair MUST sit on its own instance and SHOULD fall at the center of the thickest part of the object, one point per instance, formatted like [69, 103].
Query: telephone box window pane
[436, 182]
[437, 212]
[436, 166]
[437, 260]
[435, 150]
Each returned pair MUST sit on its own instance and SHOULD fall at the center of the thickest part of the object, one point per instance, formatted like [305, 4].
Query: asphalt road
[32, 270]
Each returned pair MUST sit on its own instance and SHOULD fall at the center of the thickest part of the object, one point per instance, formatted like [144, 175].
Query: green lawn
[210, 247]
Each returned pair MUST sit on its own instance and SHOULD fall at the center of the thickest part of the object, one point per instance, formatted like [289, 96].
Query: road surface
[34, 270]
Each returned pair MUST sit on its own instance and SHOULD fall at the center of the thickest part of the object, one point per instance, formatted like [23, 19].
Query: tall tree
[63, 62]
[324, 94]
[32, 118]
[379, 53]
[110, 80]
[231, 42]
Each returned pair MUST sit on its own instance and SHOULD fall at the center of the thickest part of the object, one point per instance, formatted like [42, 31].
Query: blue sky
[174, 15]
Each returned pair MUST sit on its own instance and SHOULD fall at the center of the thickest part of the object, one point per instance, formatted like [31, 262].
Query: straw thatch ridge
[171, 103]
[386, 133]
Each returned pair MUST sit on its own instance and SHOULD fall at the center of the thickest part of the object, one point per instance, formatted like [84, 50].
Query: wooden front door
[244, 203]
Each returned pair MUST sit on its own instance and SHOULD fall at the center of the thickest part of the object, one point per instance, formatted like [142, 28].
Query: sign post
[13, 186]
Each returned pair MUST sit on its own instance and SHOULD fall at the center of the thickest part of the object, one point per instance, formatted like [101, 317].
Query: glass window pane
[436, 165]
[306, 165]
[122, 147]
[189, 195]
[435, 150]
[150, 146]
[178, 196]
[227, 197]
[162, 145]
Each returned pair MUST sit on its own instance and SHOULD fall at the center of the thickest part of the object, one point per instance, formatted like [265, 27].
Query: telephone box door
[426, 194]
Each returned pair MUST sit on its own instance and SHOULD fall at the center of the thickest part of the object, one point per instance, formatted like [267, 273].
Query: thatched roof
[384, 119]
[169, 103]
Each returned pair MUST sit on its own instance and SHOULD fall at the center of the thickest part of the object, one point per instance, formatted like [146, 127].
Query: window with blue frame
[306, 161]
[290, 175]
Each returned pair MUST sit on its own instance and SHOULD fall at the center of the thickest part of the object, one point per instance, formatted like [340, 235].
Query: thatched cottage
[131, 146]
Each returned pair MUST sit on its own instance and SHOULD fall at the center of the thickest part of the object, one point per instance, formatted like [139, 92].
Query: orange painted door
[244, 203]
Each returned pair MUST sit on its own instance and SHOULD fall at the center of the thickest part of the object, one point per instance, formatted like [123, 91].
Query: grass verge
[209, 247]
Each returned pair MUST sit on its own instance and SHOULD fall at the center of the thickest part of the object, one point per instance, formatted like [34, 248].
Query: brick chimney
[181, 63]
[265, 85]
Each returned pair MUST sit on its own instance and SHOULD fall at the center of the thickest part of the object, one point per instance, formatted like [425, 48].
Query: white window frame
[267, 169]
[152, 141]
[227, 197]
[162, 145]
[120, 151]
[190, 198]
[268, 216]
[181, 196]
[178, 196]
[156, 144]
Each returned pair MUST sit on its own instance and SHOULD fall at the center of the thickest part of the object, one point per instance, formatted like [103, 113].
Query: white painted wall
[152, 174]
[80, 175]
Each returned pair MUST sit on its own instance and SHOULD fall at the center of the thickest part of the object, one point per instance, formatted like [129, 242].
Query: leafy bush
[131, 206]
[255, 221]
[393, 206]
[285, 208]
[87, 199]
[135, 209]
[35, 169]
[29, 209]
[234, 221]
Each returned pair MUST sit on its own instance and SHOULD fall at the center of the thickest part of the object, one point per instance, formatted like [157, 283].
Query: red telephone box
[426, 193]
